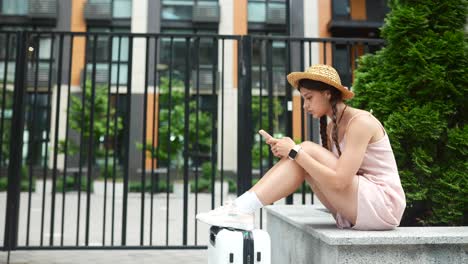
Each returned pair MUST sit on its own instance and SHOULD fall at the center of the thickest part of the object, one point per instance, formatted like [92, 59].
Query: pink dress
[381, 199]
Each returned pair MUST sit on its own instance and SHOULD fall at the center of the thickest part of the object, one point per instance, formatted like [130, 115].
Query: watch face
[292, 154]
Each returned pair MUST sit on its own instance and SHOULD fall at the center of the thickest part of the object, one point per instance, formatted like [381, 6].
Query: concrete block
[308, 234]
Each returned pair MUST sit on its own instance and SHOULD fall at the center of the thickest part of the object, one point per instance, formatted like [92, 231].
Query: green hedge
[417, 86]
[135, 186]
[71, 185]
[24, 183]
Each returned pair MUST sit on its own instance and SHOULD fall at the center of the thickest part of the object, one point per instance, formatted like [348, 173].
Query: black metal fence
[117, 140]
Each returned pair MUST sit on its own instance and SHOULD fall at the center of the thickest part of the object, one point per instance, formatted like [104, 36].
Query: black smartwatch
[294, 151]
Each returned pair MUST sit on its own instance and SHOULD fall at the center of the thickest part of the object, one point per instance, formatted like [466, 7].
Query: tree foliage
[417, 85]
[79, 118]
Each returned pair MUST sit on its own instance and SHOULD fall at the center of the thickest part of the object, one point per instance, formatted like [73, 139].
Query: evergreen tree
[417, 85]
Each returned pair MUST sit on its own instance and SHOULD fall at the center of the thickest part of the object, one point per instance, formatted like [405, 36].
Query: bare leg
[312, 183]
[320, 195]
[288, 175]
[283, 179]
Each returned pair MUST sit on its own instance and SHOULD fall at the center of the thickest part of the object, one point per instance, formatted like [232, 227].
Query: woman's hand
[282, 147]
[279, 147]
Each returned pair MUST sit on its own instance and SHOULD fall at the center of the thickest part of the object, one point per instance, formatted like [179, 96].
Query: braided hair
[336, 97]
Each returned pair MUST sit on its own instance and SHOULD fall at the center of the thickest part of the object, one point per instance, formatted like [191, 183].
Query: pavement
[106, 257]
[163, 227]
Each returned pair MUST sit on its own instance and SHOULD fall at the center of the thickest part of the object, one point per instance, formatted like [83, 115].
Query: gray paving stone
[106, 257]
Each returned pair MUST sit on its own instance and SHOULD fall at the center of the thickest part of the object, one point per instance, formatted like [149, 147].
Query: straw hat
[322, 73]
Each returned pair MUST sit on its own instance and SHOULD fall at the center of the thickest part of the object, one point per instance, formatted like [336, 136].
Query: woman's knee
[320, 154]
[310, 147]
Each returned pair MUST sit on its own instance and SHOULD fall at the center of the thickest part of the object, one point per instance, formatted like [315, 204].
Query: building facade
[295, 18]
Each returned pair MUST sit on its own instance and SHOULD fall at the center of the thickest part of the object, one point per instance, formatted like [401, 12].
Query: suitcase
[237, 246]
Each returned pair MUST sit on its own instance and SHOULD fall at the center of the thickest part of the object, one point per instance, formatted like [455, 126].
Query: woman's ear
[327, 94]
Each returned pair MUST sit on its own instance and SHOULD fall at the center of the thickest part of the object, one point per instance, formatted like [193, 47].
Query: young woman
[353, 173]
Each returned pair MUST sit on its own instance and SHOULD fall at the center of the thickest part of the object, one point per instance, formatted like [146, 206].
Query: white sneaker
[228, 215]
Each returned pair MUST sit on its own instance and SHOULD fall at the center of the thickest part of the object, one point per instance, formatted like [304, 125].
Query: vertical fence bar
[244, 137]
[116, 150]
[49, 116]
[153, 134]
[323, 119]
[56, 137]
[32, 136]
[324, 52]
[16, 146]
[310, 120]
[349, 63]
[70, 61]
[269, 67]
[333, 50]
[222, 119]
[301, 109]
[171, 58]
[106, 155]
[197, 65]
[4, 89]
[91, 141]
[186, 137]
[143, 154]
[289, 111]
[260, 115]
[127, 141]
[82, 144]
[213, 121]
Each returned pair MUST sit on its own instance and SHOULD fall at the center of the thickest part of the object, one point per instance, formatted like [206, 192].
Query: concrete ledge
[308, 234]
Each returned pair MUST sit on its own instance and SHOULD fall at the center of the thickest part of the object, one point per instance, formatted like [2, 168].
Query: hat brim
[295, 77]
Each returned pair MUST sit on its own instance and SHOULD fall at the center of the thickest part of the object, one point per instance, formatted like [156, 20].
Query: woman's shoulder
[364, 122]
[357, 111]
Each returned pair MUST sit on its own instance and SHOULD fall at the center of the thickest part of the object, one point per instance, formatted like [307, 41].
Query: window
[205, 51]
[256, 11]
[278, 60]
[376, 10]
[267, 11]
[14, 7]
[341, 9]
[181, 9]
[102, 57]
[177, 11]
[120, 8]
[342, 64]
[36, 120]
[42, 45]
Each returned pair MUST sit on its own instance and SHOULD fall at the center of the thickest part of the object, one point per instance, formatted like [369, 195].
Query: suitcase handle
[213, 232]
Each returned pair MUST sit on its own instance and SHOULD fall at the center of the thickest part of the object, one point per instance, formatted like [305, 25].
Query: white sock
[248, 202]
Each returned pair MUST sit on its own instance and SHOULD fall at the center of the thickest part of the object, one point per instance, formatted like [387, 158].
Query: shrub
[24, 183]
[72, 184]
[417, 86]
[135, 186]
